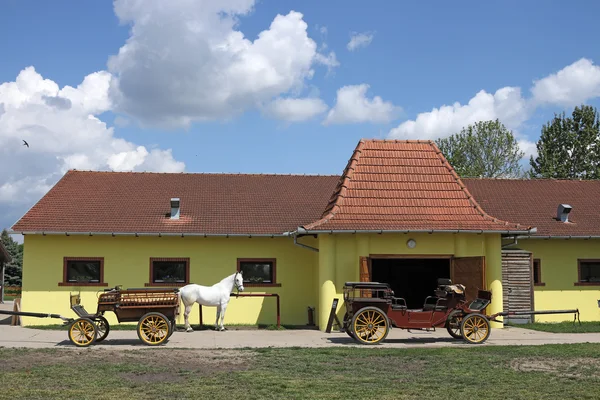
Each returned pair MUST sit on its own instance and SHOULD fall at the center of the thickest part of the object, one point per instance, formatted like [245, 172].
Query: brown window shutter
[365, 275]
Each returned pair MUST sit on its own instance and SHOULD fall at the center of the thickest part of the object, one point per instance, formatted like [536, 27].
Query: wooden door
[365, 274]
[469, 271]
[517, 284]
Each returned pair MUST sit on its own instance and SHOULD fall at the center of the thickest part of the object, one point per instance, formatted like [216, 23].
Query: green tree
[485, 149]
[13, 270]
[569, 147]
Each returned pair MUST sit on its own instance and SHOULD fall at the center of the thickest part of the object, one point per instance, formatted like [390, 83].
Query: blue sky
[421, 56]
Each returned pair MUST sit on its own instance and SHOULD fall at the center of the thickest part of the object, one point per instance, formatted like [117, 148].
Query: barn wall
[339, 260]
[559, 274]
[126, 262]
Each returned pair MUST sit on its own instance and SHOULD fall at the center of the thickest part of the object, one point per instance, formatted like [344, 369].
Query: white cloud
[358, 40]
[570, 86]
[187, 62]
[506, 104]
[295, 110]
[63, 133]
[352, 106]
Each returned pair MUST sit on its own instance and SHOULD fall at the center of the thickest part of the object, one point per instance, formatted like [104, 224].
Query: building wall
[339, 260]
[559, 273]
[126, 263]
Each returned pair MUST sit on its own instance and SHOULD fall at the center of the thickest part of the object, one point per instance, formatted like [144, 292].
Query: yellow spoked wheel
[153, 329]
[453, 324]
[475, 328]
[82, 332]
[370, 325]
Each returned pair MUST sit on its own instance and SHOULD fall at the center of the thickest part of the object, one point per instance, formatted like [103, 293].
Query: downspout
[295, 234]
[511, 244]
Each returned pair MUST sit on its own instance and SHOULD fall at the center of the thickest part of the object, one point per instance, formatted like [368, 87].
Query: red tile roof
[403, 185]
[126, 202]
[535, 202]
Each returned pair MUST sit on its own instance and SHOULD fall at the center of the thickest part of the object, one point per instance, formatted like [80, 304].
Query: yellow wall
[559, 273]
[341, 252]
[126, 262]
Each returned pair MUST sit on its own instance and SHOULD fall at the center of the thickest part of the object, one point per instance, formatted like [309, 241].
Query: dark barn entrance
[412, 279]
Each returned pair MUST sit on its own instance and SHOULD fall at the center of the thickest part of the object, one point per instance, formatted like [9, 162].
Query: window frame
[583, 260]
[65, 281]
[273, 283]
[151, 283]
[539, 272]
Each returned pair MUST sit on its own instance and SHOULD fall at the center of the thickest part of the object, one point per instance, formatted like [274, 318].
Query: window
[169, 271]
[258, 271]
[537, 272]
[589, 272]
[83, 271]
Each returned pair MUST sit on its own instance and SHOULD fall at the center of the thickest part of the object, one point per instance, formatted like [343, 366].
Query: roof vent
[562, 214]
[175, 208]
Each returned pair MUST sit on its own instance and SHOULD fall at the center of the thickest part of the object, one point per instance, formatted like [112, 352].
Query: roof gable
[403, 185]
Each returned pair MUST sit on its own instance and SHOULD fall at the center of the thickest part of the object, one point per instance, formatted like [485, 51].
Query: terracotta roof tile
[402, 185]
[126, 202]
[535, 202]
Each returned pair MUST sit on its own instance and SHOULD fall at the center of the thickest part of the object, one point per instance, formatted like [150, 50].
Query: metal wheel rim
[370, 326]
[82, 332]
[454, 325]
[154, 329]
[476, 329]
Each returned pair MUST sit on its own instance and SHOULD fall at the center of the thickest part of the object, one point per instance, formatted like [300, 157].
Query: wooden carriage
[154, 309]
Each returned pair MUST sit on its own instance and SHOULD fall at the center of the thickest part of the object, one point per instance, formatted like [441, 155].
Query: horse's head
[238, 281]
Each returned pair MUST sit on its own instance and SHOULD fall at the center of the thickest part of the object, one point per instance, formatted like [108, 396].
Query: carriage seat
[398, 303]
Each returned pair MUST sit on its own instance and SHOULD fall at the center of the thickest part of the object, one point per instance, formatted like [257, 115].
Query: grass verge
[486, 372]
[562, 327]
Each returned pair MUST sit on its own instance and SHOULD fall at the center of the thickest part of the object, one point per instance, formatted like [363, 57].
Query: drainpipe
[295, 236]
[511, 244]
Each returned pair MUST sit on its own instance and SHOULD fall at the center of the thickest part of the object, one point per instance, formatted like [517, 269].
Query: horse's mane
[228, 277]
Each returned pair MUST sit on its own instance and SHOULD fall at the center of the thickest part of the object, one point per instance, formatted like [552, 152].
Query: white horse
[216, 295]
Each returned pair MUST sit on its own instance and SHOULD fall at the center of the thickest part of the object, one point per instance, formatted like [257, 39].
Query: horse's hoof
[189, 330]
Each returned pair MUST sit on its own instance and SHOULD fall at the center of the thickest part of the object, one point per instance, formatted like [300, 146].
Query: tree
[569, 147]
[485, 149]
[13, 269]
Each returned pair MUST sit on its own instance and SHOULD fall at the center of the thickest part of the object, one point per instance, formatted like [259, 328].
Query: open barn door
[469, 271]
[365, 274]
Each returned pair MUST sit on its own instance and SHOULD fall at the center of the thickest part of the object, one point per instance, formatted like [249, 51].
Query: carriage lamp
[411, 243]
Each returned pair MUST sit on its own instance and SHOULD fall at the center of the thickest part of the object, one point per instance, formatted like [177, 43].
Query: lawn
[563, 327]
[486, 372]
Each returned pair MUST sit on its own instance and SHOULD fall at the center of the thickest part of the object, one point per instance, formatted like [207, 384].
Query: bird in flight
[25, 144]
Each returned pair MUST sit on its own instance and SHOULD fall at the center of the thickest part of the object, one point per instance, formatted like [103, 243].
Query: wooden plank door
[517, 284]
[365, 274]
[469, 271]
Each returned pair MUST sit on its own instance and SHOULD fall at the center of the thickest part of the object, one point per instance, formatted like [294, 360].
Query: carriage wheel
[153, 329]
[82, 332]
[453, 324]
[172, 325]
[475, 328]
[347, 324]
[102, 328]
[370, 325]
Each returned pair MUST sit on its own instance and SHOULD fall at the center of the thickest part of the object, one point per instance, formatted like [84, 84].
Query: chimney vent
[175, 208]
[562, 214]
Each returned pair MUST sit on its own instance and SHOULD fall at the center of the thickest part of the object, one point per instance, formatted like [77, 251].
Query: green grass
[483, 372]
[562, 327]
[9, 298]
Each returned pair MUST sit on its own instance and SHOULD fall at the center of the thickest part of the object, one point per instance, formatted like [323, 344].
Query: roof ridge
[470, 197]
[420, 141]
[197, 173]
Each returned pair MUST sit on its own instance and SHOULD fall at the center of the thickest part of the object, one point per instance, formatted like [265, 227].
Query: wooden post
[16, 320]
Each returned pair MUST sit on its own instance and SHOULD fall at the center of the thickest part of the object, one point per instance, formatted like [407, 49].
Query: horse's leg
[217, 321]
[223, 308]
[186, 316]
